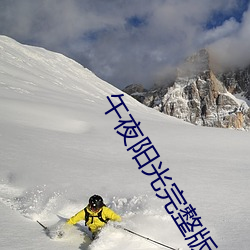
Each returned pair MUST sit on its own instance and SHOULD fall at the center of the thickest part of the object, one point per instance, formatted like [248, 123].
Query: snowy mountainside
[58, 147]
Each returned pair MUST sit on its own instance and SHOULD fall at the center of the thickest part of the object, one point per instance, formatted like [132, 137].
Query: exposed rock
[237, 81]
[137, 91]
[201, 97]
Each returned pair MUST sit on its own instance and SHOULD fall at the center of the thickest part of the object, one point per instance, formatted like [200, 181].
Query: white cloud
[97, 32]
[228, 28]
[233, 49]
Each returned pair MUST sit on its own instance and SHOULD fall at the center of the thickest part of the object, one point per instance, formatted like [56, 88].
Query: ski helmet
[95, 202]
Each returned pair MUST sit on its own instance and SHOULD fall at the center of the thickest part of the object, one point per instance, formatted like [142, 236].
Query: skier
[95, 214]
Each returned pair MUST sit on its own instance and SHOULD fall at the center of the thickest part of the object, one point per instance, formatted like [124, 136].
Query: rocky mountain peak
[200, 96]
[196, 64]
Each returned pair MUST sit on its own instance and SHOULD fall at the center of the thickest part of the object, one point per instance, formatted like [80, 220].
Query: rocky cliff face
[237, 81]
[200, 96]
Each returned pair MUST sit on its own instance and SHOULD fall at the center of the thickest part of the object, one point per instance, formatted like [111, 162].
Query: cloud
[228, 28]
[233, 48]
[126, 42]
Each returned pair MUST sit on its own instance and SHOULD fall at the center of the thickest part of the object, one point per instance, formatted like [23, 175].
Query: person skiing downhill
[95, 214]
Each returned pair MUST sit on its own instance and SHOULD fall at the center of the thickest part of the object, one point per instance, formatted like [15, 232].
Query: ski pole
[45, 228]
[148, 239]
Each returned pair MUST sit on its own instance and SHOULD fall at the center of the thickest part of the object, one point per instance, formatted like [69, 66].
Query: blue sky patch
[136, 21]
[219, 17]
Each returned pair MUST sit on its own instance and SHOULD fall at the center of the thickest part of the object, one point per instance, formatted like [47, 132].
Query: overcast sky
[131, 41]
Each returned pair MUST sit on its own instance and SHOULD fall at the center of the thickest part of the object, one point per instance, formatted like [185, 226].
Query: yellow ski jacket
[94, 223]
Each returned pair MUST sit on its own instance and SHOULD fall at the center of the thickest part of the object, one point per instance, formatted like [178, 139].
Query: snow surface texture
[58, 148]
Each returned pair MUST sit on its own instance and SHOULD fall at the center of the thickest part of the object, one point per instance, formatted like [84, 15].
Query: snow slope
[58, 148]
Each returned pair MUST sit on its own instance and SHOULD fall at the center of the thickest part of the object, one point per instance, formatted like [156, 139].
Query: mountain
[237, 81]
[58, 148]
[202, 97]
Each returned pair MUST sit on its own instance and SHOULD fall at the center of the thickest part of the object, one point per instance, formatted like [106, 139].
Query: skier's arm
[77, 217]
[110, 214]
